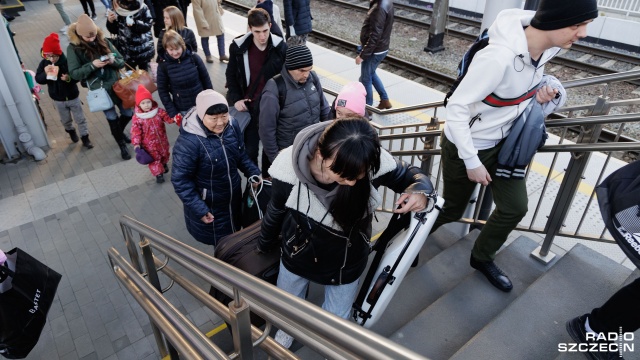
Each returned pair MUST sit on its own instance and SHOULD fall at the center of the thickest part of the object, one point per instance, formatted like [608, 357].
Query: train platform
[65, 210]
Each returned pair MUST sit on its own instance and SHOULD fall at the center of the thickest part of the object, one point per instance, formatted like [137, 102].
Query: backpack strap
[282, 89]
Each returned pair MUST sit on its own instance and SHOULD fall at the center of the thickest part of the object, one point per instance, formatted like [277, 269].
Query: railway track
[421, 71]
[582, 57]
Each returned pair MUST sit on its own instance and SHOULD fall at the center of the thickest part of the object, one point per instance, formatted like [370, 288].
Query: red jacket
[150, 133]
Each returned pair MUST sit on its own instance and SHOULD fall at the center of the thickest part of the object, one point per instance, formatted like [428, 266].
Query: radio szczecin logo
[610, 342]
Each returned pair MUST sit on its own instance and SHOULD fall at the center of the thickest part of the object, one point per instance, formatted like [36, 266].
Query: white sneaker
[107, 13]
[64, 29]
[283, 339]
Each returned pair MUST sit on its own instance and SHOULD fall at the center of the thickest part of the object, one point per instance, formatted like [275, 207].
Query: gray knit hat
[557, 14]
[298, 57]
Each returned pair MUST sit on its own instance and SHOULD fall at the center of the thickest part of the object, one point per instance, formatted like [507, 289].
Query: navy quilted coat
[205, 177]
[181, 80]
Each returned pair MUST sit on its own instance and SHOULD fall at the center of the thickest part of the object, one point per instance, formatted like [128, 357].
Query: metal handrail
[322, 331]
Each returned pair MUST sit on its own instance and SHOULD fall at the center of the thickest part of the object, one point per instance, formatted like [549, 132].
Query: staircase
[444, 309]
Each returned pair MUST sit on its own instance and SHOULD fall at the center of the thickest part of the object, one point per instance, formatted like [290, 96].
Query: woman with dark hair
[206, 158]
[131, 23]
[174, 20]
[323, 197]
[92, 58]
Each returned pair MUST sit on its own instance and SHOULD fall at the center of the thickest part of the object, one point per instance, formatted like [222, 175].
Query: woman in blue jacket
[206, 158]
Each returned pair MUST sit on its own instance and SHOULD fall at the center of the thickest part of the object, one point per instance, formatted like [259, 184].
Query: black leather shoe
[493, 273]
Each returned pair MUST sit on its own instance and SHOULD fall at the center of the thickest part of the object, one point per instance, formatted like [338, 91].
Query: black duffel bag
[27, 290]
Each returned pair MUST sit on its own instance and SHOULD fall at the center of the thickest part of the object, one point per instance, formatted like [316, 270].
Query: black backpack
[282, 87]
[480, 43]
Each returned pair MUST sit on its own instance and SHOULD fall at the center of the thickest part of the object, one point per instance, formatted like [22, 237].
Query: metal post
[438, 26]
[484, 208]
[241, 327]
[531, 4]
[426, 164]
[152, 275]
[573, 174]
[131, 247]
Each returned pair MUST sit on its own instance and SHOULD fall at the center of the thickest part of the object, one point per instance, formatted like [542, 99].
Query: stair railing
[323, 332]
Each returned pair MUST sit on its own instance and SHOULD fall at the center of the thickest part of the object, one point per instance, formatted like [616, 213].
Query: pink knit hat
[206, 99]
[353, 97]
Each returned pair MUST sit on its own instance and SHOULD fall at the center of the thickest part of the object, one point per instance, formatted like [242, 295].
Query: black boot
[124, 121]
[166, 168]
[73, 135]
[116, 132]
[160, 179]
[86, 142]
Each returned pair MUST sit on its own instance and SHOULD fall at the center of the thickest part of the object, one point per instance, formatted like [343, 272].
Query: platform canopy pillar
[438, 26]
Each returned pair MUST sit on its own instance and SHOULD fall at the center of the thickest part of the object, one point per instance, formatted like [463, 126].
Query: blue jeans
[106, 4]
[338, 299]
[112, 115]
[369, 77]
[204, 41]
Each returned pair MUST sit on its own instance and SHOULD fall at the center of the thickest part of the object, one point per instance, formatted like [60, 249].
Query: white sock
[587, 327]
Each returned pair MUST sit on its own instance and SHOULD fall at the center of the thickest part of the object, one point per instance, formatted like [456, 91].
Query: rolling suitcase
[396, 250]
[238, 249]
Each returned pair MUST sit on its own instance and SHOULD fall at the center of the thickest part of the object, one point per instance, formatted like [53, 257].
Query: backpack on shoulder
[282, 87]
[480, 43]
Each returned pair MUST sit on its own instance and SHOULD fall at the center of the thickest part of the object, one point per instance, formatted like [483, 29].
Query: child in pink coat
[148, 134]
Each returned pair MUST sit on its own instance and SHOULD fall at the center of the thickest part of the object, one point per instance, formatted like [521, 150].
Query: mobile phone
[104, 58]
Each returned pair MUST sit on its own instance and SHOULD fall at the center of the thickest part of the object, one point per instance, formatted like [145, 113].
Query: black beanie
[557, 14]
[298, 57]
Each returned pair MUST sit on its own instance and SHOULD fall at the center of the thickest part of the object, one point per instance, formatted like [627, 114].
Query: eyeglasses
[51, 56]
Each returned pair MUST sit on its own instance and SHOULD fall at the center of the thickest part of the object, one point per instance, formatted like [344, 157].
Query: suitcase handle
[383, 279]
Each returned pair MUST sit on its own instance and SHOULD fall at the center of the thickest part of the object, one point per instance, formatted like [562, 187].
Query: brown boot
[384, 104]
[209, 58]
[224, 58]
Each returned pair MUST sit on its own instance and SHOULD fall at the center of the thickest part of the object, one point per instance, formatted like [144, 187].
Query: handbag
[242, 117]
[255, 201]
[126, 88]
[27, 290]
[98, 99]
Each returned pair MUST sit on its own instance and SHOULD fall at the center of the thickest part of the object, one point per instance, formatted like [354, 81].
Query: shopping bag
[255, 201]
[126, 88]
[26, 295]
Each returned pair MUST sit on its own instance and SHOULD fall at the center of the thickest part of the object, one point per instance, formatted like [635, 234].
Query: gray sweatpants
[72, 107]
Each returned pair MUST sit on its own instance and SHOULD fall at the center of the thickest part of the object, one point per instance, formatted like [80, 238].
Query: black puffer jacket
[205, 177]
[238, 73]
[181, 80]
[59, 90]
[375, 34]
[134, 42]
[189, 40]
[313, 245]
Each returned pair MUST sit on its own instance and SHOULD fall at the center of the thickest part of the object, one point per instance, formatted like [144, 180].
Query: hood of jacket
[508, 31]
[297, 157]
[245, 40]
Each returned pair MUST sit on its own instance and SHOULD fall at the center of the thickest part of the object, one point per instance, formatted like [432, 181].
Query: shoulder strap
[282, 89]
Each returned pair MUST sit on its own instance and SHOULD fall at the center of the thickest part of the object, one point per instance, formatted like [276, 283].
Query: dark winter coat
[181, 80]
[189, 40]
[238, 73]
[205, 177]
[59, 90]
[375, 34]
[304, 105]
[135, 42]
[81, 68]
[297, 13]
[313, 245]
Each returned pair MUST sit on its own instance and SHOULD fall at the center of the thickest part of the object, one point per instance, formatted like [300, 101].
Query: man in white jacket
[501, 81]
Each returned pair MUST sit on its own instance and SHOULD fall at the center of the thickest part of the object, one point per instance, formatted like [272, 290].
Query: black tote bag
[24, 306]
[619, 200]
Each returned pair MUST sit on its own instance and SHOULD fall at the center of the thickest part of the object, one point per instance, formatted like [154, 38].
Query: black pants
[621, 310]
[252, 139]
[84, 7]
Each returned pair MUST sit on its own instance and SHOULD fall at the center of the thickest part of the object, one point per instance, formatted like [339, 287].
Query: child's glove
[177, 119]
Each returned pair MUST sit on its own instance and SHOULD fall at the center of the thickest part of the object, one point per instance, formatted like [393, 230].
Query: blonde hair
[172, 39]
[177, 18]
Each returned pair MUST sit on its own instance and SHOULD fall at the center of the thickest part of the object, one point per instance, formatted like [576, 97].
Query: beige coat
[208, 16]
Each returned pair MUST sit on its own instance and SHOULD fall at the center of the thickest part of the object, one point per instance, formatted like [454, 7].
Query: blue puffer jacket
[181, 80]
[205, 177]
[297, 13]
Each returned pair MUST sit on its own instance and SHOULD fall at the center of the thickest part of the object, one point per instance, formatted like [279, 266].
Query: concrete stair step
[532, 326]
[447, 324]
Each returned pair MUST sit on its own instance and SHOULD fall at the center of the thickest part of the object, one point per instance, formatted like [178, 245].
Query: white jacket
[503, 68]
